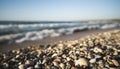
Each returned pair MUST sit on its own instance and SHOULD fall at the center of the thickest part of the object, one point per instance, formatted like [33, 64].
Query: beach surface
[51, 40]
[101, 50]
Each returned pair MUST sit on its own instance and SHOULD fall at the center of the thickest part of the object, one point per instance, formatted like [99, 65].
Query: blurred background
[28, 20]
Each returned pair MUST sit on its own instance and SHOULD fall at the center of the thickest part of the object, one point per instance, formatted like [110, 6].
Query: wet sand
[50, 40]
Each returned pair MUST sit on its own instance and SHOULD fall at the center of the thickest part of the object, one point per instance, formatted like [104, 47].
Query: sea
[20, 31]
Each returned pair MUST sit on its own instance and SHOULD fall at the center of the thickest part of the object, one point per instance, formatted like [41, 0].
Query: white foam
[108, 26]
[20, 37]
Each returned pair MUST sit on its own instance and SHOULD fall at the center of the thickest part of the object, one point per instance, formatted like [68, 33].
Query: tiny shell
[22, 66]
[61, 65]
[92, 60]
[54, 55]
[81, 62]
[115, 63]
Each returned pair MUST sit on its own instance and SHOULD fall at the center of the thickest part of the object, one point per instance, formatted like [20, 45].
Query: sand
[50, 40]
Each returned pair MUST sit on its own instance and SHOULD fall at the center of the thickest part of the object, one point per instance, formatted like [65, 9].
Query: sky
[53, 10]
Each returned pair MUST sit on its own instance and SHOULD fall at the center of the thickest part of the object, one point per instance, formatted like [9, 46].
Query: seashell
[61, 65]
[102, 42]
[68, 66]
[37, 66]
[105, 68]
[55, 63]
[30, 68]
[64, 56]
[57, 60]
[13, 51]
[85, 43]
[44, 61]
[73, 67]
[18, 51]
[115, 53]
[69, 45]
[90, 43]
[68, 59]
[28, 62]
[6, 65]
[115, 62]
[77, 52]
[96, 42]
[89, 56]
[60, 44]
[54, 55]
[101, 64]
[109, 62]
[22, 66]
[97, 56]
[92, 60]
[70, 52]
[81, 62]
[73, 57]
[19, 63]
[97, 50]
[17, 56]
[113, 68]
[54, 67]
[38, 51]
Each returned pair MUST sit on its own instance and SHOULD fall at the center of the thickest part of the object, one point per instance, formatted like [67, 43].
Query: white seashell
[60, 44]
[61, 65]
[81, 62]
[97, 50]
[77, 52]
[17, 56]
[37, 66]
[55, 63]
[92, 60]
[115, 63]
[97, 56]
[38, 51]
[54, 55]
[30, 68]
[22, 66]
[70, 52]
[64, 56]
[68, 59]
[43, 61]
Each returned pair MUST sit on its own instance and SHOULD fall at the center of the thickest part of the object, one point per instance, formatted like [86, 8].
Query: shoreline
[51, 40]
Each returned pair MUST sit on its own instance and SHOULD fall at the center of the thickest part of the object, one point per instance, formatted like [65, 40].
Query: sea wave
[46, 31]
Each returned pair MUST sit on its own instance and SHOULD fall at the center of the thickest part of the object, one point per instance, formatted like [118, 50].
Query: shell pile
[97, 51]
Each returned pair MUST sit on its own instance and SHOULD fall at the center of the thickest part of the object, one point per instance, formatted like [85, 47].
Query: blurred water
[18, 31]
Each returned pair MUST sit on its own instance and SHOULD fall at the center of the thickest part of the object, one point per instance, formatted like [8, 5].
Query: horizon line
[66, 20]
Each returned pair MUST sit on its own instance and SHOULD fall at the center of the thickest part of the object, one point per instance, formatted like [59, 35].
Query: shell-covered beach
[97, 51]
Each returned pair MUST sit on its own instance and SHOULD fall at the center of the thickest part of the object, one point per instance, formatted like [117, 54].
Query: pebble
[98, 51]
